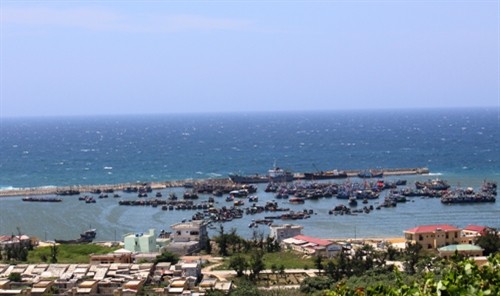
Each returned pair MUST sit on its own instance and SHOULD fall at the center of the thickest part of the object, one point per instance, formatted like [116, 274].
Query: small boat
[296, 200]
[253, 198]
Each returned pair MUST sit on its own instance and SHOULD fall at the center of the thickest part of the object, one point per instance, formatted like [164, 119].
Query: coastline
[28, 191]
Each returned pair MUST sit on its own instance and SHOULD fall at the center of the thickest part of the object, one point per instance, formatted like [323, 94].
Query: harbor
[325, 208]
[82, 189]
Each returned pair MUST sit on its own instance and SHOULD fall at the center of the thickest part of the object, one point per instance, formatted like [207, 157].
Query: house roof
[476, 228]
[460, 247]
[309, 239]
[432, 228]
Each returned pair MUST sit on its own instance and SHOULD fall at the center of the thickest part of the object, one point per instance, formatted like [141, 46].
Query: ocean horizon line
[251, 112]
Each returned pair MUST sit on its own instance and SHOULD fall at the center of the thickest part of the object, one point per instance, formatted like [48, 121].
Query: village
[133, 266]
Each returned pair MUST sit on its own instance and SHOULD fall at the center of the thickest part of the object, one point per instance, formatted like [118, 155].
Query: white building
[141, 242]
[281, 232]
[188, 237]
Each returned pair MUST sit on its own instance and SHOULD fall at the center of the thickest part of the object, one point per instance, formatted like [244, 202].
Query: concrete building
[284, 231]
[141, 242]
[120, 257]
[188, 237]
[433, 236]
[471, 233]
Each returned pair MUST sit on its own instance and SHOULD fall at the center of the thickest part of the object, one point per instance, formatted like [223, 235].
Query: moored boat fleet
[240, 195]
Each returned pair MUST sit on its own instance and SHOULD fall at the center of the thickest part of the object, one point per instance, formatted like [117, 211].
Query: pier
[78, 189]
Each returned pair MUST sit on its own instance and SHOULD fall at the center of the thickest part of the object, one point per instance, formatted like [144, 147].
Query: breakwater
[28, 191]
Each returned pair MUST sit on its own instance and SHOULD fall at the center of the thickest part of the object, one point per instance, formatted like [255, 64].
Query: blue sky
[140, 57]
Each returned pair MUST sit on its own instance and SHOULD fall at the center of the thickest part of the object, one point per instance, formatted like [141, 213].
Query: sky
[153, 57]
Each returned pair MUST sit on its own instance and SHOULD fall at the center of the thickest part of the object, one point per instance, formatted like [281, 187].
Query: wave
[435, 174]
[8, 188]
[214, 175]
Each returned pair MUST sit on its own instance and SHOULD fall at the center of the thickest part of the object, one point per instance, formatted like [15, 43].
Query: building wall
[434, 240]
[141, 242]
[190, 231]
[471, 253]
[281, 232]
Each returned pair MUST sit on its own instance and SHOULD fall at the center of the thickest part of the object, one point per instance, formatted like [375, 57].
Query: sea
[458, 145]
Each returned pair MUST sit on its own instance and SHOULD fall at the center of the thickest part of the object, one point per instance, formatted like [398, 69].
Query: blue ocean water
[459, 145]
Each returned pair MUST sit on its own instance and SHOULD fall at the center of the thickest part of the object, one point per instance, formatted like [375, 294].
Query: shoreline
[28, 191]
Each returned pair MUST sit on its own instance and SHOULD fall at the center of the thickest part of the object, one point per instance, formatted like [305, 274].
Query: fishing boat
[86, 237]
[322, 175]
[42, 199]
[436, 184]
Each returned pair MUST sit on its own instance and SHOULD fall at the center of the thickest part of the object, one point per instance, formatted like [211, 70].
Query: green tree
[490, 242]
[239, 264]
[256, 263]
[392, 253]
[208, 246]
[274, 268]
[318, 262]
[331, 270]
[15, 277]
[221, 241]
[315, 284]
[245, 288]
[282, 270]
[234, 240]
[53, 253]
[167, 257]
[411, 257]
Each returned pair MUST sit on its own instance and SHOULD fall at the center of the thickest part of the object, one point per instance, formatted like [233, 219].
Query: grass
[68, 253]
[289, 260]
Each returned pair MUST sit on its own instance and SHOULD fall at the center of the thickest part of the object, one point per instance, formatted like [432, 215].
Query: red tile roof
[317, 241]
[432, 228]
[476, 228]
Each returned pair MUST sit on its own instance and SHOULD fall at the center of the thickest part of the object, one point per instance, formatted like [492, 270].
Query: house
[115, 257]
[141, 242]
[188, 237]
[284, 231]
[41, 288]
[312, 246]
[87, 287]
[472, 232]
[433, 236]
[461, 249]
[16, 241]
